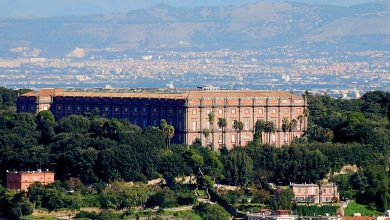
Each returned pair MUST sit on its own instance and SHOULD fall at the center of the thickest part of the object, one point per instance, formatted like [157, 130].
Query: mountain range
[164, 27]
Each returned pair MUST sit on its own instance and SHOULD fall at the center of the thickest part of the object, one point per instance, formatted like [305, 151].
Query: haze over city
[338, 47]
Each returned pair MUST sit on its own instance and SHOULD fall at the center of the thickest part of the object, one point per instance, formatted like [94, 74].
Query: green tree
[46, 115]
[121, 195]
[285, 125]
[211, 118]
[212, 212]
[238, 127]
[206, 134]
[292, 127]
[222, 124]
[75, 124]
[168, 130]
[206, 182]
[270, 129]
[164, 198]
[282, 200]
[238, 167]
[259, 128]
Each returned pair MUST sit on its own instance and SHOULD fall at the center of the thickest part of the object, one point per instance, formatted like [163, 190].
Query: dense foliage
[316, 210]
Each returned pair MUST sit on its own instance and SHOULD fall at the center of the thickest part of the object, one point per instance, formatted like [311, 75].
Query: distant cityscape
[344, 74]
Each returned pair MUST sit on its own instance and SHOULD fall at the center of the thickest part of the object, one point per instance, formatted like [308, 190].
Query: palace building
[187, 110]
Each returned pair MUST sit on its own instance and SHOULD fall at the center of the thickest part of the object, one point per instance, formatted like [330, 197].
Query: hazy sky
[84, 7]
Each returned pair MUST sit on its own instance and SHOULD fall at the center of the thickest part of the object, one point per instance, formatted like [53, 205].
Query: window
[285, 138]
[233, 111]
[154, 122]
[87, 108]
[194, 111]
[126, 109]
[260, 111]
[78, 108]
[273, 138]
[233, 138]
[194, 126]
[285, 110]
[273, 110]
[154, 110]
[68, 107]
[299, 110]
[247, 111]
[44, 107]
[170, 111]
[23, 107]
[135, 109]
[116, 109]
[144, 123]
[220, 139]
[180, 111]
[144, 110]
[31, 107]
[208, 111]
[246, 124]
[179, 124]
[106, 108]
[220, 111]
[299, 125]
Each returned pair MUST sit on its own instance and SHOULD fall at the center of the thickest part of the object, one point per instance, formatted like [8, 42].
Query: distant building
[186, 109]
[313, 193]
[20, 181]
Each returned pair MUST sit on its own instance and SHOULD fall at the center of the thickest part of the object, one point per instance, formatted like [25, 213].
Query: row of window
[312, 199]
[316, 191]
[248, 110]
[116, 109]
[247, 124]
[233, 138]
[24, 107]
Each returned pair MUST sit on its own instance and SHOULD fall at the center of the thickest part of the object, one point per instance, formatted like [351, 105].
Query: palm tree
[300, 119]
[169, 133]
[211, 117]
[163, 126]
[305, 116]
[222, 123]
[270, 128]
[293, 126]
[259, 128]
[285, 125]
[238, 127]
[206, 134]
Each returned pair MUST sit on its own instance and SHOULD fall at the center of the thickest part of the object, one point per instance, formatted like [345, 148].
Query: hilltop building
[187, 110]
[20, 181]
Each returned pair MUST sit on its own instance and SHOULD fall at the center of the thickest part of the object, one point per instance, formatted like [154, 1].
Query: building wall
[22, 180]
[139, 111]
[188, 116]
[248, 111]
[312, 192]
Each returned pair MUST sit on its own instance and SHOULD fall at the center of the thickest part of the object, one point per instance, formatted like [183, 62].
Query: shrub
[212, 212]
